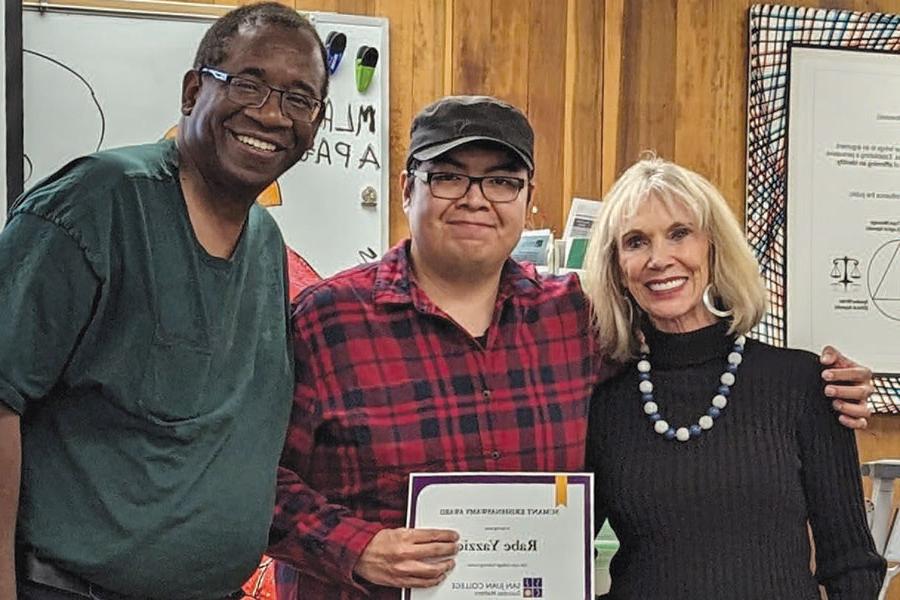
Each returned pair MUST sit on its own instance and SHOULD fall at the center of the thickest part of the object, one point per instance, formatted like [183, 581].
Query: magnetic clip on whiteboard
[366, 59]
[43, 5]
[335, 44]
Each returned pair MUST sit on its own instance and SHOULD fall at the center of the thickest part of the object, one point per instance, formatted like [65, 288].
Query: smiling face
[241, 148]
[470, 235]
[664, 260]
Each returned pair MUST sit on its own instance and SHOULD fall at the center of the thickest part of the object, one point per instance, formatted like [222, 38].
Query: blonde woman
[712, 451]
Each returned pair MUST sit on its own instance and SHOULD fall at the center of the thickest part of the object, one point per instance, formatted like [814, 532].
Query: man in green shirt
[145, 363]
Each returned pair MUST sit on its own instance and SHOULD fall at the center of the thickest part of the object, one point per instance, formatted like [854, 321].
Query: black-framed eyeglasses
[253, 94]
[453, 186]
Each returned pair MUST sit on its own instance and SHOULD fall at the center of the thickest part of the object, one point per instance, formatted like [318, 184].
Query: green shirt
[154, 380]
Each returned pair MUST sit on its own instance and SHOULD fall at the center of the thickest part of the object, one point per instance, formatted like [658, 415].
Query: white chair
[882, 521]
[892, 555]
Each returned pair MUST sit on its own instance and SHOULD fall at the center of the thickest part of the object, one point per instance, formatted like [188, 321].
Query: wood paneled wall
[676, 83]
[601, 81]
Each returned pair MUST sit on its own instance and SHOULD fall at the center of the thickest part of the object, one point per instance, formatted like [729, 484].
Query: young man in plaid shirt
[446, 355]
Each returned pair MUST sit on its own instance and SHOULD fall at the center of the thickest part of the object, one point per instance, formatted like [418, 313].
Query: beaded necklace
[705, 422]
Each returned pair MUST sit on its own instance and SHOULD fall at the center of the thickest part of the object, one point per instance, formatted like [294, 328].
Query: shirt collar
[395, 282]
[676, 350]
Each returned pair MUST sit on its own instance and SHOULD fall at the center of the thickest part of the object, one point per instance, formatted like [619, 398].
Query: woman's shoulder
[796, 372]
[793, 358]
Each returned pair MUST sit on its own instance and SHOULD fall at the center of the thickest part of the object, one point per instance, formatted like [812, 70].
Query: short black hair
[213, 49]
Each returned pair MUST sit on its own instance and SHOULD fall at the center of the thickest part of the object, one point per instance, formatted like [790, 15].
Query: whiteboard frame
[186, 10]
[384, 60]
[211, 12]
[11, 112]
[7, 40]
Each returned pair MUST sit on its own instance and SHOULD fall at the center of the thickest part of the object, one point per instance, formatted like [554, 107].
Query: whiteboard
[104, 78]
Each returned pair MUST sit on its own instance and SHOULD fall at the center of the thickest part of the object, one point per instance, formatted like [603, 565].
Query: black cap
[456, 120]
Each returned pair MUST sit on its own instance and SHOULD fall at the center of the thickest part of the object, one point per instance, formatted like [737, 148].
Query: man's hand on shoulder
[403, 557]
[849, 385]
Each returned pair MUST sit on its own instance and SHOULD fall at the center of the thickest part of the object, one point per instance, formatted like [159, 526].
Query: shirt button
[486, 394]
[496, 455]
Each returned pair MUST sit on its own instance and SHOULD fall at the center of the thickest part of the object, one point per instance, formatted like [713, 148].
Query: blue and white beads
[705, 422]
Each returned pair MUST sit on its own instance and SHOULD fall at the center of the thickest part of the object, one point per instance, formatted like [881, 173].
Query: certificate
[521, 535]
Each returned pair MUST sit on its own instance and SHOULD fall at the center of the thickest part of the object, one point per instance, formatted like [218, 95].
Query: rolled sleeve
[47, 291]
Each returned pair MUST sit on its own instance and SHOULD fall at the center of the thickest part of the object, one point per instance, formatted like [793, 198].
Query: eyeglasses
[254, 94]
[453, 186]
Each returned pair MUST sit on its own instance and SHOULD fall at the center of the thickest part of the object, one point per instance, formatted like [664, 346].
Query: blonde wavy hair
[734, 271]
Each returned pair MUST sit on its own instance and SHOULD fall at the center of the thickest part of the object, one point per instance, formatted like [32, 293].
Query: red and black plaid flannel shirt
[388, 384]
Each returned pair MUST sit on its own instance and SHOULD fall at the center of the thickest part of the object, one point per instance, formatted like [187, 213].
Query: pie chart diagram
[883, 279]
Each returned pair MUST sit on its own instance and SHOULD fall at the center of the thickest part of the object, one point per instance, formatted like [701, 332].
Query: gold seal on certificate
[521, 535]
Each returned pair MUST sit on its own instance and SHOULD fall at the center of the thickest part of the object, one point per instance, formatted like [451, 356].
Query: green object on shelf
[577, 248]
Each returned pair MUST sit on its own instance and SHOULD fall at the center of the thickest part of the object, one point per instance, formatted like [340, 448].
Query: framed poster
[823, 182]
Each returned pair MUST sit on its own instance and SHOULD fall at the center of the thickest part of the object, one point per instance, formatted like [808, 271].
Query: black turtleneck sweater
[724, 516]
